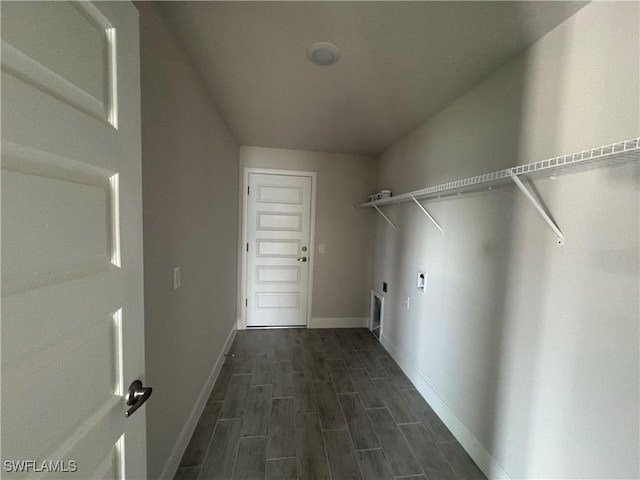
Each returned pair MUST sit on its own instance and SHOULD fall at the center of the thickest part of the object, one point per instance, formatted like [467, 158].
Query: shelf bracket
[384, 216]
[534, 201]
[424, 210]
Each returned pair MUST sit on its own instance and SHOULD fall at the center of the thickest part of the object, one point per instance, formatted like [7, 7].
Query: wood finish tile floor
[319, 404]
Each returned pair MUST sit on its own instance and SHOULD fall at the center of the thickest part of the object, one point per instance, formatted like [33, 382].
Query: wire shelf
[619, 153]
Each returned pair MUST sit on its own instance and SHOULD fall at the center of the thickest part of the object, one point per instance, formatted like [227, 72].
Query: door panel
[278, 234]
[279, 221]
[280, 194]
[278, 275]
[72, 305]
[39, 55]
[269, 248]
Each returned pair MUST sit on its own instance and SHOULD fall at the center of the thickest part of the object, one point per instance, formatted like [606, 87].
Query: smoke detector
[323, 53]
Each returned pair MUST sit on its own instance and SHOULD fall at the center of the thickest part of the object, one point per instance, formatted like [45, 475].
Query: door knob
[302, 259]
[136, 396]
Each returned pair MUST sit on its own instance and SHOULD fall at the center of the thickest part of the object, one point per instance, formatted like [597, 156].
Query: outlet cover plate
[177, 281]
[421, 282]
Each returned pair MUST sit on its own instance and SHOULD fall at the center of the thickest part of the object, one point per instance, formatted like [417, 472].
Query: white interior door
[278, 249]
[72, 298]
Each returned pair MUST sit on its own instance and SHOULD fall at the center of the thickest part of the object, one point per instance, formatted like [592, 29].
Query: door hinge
[246, 302]
[248, 190]
[247, 246]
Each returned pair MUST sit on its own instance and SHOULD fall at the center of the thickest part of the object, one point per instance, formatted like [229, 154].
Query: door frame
[246, 171]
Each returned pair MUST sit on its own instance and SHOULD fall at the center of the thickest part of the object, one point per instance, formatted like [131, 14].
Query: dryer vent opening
[377, 309]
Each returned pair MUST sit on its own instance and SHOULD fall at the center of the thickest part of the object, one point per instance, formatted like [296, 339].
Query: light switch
[407, 303]
[176, 277]
[321, 248]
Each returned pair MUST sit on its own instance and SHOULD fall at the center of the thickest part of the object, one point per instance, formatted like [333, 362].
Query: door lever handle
[136, 396]
[302, 259]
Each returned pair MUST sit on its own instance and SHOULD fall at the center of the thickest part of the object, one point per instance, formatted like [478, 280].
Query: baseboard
[173, 462]
[338, 322]
[469, 442]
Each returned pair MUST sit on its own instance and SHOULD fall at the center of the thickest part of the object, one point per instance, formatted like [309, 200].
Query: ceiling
[400, 63]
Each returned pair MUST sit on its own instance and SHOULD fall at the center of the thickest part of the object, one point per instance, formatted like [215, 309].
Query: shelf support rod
[384, 216]
[534, 201]
[424, 210]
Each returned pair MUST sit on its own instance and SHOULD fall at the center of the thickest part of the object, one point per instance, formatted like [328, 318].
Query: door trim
[242, 321]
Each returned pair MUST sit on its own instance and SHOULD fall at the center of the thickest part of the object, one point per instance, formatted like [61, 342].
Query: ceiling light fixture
[323, 53]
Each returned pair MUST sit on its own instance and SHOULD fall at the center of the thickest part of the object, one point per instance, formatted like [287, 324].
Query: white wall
[190, 187]
[529, 350]
[341, 275]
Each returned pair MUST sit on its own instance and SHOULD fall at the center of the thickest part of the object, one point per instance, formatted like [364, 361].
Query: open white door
[278, 251]
[72, 296]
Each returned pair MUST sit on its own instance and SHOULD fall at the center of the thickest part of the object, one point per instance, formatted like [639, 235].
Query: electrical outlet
[177, 281]
[407, 303]
[422, 281]
[321, 248]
